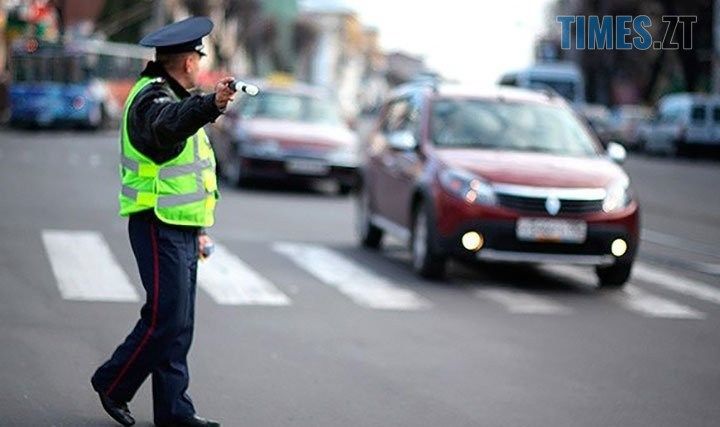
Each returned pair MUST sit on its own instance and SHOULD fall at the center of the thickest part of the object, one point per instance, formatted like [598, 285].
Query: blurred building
[79, 17]
[373, 83]
[337, 58]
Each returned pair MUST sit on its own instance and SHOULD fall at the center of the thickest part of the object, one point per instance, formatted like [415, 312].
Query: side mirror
[616, 152]
[402, 140]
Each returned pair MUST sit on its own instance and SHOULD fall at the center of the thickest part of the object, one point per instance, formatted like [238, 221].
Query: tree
[653, 72]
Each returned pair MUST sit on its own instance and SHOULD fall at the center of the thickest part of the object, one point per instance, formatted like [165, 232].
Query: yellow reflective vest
[181, 191]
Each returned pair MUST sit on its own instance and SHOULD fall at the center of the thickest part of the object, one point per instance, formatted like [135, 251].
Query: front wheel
[614, 276]
[234, 173]
[344, 189]
[427, 261]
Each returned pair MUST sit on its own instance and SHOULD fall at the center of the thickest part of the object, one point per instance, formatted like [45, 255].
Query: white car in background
[684, 121]
[627, 122]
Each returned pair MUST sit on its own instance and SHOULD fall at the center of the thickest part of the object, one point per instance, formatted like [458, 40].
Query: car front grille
[537, 204]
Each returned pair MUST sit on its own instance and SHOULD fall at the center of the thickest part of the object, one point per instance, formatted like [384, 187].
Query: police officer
[169, 191]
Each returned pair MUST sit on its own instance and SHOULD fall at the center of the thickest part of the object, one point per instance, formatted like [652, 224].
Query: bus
[563, 78]
[81, 83]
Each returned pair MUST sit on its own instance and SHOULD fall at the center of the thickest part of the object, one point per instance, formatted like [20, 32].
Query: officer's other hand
[223, 93]
[203, 242]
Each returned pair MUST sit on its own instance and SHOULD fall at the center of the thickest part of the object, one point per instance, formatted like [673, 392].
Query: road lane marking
[520, 302]
[360, 284]
[85, 268]
[230, 281]
[633, 298]
[673, 282]
[707, 267]
[671, 241]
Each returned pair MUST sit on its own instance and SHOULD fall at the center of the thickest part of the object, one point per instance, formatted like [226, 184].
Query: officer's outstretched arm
[172, 122]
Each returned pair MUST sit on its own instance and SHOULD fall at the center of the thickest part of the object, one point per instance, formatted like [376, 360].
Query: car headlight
[346, 156]
[467, 186]
[268, 148]
[617, 196]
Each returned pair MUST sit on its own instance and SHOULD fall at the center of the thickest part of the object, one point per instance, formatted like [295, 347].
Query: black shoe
[118, 411]
[193, 421]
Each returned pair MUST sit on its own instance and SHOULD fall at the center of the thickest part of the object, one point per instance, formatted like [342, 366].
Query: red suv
[503, 175]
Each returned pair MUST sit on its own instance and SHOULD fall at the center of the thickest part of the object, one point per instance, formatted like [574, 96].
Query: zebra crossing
[231, 281]
[85, 269]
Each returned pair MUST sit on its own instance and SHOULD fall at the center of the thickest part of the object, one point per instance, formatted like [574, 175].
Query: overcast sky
[474, 41]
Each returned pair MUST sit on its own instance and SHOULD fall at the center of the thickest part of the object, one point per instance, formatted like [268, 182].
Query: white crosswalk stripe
[360, 284]
[520, 302]
[230, 281]
[85, 268]
[632, 297]
[676, 283]
[649, 305]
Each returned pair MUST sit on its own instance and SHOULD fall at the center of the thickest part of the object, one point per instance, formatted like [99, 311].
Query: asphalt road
[322, 333]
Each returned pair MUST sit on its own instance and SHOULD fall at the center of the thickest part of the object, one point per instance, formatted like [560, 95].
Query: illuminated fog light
[470, 196]
[472, 241]
[618, 247]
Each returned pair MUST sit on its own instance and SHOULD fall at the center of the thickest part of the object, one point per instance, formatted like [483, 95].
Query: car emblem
[552, 205]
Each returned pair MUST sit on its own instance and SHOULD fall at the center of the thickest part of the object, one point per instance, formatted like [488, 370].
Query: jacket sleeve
[167, 123]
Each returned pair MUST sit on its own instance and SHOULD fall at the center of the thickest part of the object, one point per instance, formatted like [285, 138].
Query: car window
[716, 114]
[509, 126]
[671, 115]
[289, 106]
[698, 113]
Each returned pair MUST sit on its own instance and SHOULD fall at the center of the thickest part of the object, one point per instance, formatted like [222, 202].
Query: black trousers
[167, 259]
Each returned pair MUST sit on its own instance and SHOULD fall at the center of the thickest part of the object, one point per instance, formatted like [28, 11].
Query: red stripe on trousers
[153, 321]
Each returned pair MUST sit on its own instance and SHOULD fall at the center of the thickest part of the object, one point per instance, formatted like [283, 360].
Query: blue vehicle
[66, 84]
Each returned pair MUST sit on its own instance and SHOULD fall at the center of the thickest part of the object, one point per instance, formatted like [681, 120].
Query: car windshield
[294, 107]
[513, 126]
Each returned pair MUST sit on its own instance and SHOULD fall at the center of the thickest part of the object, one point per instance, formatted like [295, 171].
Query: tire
[234, 173]
[427, 261]
[614, 276]
[677, 149]
[369, 235]
[640, 147]
[344, 189]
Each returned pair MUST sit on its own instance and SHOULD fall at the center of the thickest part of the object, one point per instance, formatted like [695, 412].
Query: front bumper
[502, 244]
[276, 169]
[541, 258]
[497, 225]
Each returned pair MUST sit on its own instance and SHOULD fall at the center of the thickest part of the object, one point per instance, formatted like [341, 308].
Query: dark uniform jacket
[164, 114]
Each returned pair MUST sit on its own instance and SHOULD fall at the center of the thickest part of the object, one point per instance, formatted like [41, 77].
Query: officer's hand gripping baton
[236, 85]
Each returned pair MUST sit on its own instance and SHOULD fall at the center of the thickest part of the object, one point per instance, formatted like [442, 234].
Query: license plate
[307, 167]
[551, 230]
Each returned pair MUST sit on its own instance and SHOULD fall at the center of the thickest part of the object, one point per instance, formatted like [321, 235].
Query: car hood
[289, 132]
[534, 169]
